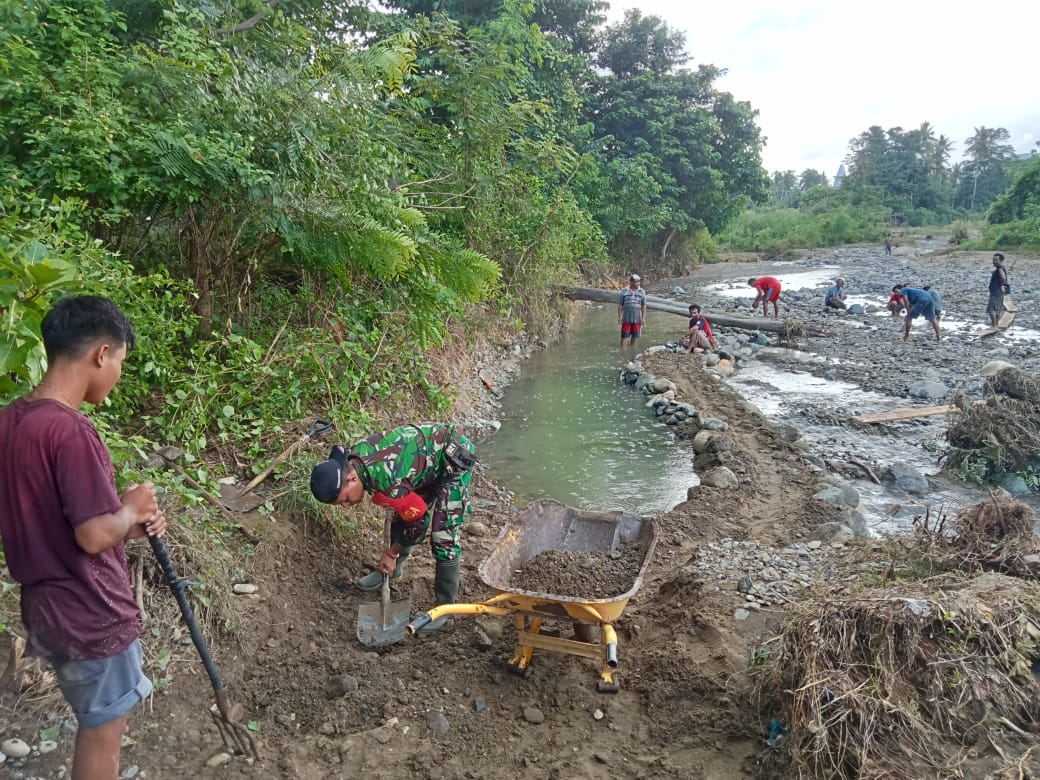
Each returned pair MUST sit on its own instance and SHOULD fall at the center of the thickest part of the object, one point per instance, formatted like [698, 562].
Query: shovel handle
[318, 428]
[178, 588]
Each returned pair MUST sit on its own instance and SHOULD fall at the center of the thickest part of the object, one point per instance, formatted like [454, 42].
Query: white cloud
[820, 73]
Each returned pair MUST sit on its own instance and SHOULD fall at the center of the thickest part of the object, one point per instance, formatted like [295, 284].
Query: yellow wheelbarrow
[549, 525]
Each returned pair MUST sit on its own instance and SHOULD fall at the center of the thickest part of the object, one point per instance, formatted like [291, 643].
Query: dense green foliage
[1014, 219]
[294, 205]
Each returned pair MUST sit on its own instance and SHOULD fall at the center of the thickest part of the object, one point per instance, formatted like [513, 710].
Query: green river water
[572, 431]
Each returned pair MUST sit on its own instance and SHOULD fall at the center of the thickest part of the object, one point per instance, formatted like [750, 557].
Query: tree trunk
[200, 272]
[661, 304]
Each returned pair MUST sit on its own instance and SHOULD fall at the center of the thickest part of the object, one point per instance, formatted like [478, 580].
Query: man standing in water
[998, 288]
[919, 303]
[631, 310]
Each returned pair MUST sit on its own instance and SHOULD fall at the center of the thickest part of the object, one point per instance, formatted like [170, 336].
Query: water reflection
[571, 431]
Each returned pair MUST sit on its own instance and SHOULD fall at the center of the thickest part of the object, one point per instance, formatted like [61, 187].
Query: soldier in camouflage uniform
[422, 472]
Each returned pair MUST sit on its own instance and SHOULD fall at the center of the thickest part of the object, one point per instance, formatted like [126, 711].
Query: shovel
[242, 500]
[236, 737]
[383, 623]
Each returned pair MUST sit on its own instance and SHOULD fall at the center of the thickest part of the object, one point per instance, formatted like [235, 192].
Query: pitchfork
[236, 737]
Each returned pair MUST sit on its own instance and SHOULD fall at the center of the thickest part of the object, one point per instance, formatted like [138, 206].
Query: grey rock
[479, 704]
[534, 715]
[832, 532]
[994, 367]
[839, 494]
[711, 359]
[856, 309]
[1014, 484]
[720, 477]
[928, 389]
[788, 433]
[714, 424]
[906, 478]
[345, 684]
[438, 723]
[475, 528]
[14, 748]
[741, 614]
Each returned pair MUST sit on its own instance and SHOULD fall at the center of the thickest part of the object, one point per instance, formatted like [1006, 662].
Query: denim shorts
[922, 308]
[105, 689]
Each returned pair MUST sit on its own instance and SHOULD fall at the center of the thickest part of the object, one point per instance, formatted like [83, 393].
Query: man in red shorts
[631, 310]
[768, 291]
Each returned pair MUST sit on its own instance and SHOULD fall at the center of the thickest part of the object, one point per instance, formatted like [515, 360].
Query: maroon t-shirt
[55, 474]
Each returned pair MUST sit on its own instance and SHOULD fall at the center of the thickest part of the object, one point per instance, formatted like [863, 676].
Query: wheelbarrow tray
[550, 525]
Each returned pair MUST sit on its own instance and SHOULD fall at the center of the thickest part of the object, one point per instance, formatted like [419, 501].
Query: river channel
[573, 432]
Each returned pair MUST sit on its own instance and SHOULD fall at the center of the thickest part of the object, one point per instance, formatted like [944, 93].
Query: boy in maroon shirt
[63, 527]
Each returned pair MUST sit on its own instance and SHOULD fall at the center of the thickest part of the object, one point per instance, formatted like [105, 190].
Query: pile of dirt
[905, 681]
[587, 574]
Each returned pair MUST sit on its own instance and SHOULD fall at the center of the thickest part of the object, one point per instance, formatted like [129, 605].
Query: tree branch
[249, 23]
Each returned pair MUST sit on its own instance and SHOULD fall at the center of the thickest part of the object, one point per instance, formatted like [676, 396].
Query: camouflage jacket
[411, 456]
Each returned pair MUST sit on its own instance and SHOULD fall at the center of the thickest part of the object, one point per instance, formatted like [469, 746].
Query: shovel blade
[376, 628]
[231, 499]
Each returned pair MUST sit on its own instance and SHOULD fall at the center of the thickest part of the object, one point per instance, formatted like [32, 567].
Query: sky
[820, 72]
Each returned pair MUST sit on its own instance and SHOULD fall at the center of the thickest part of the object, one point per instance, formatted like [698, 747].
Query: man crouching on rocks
[422, 472]
[919, 303]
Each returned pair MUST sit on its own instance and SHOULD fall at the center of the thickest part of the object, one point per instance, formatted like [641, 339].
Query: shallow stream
[571, 431]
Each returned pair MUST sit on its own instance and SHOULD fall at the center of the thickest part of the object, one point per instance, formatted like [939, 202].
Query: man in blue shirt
[919, 303]
[835, 297]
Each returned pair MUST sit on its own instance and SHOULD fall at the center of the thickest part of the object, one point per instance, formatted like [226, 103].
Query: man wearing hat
[631, 310]
[421, 472]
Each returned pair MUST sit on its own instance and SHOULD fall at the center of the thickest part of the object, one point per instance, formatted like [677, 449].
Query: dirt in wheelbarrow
[447, 706]
[586, 575]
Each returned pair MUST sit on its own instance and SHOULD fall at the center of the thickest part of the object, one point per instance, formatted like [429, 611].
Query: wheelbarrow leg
[606, 682]
[521, 661]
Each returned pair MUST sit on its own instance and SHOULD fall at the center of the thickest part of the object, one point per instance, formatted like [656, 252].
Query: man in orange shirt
[768, 291]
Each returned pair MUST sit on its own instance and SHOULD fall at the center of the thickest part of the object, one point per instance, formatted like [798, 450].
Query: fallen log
[671, 307]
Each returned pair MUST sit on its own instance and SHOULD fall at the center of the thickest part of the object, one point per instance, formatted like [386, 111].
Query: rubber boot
[374, 580]
[445, 588]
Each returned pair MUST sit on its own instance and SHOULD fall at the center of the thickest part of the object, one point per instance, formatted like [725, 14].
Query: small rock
[438, 723]
[479, 704]
[130, 772]
[345, 684]
[481, 640]
[219, 759]
[475, 528]
[598, 714]
[534, 715]
[47, 746]
[600, 758]
[14, 748]
[814, 544]
[741, 614]
[244, 588]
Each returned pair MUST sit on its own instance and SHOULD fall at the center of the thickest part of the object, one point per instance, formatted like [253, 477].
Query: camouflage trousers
[447, 506]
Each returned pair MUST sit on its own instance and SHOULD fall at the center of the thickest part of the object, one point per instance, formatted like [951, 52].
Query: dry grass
[908, 677]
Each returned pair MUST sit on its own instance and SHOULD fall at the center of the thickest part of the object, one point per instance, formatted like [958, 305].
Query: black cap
[327, 476]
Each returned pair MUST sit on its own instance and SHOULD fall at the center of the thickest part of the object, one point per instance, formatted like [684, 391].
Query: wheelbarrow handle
[179, 587]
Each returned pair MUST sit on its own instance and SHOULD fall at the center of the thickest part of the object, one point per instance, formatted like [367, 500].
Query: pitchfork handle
[178, 588]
